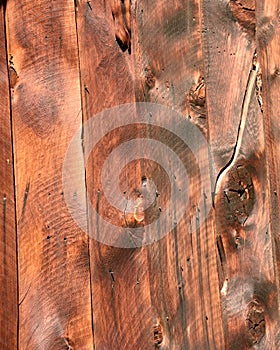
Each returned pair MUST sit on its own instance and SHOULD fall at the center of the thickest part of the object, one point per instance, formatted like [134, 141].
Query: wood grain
[268, 35]
[183, 264]
[8, 246]
[53, 255]
[165, 278]
[247, 288]
[122, 309]
[210, 283]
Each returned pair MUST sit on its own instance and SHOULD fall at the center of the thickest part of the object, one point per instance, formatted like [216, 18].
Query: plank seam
[6, 36]
[82, 140]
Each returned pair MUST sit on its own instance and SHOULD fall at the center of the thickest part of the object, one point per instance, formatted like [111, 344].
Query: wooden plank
[268, 35]
[8, 247]
[248, 283]
[183, 265]
[122, 311]
[54, 280]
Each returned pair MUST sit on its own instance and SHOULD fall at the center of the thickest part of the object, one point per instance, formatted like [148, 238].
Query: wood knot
[158, 335]
[197, 97]
[149, 77]
[275, 74]
[238, 196]
[244, 12]
[255, 322]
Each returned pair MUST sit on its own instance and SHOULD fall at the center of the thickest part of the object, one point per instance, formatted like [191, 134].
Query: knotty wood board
[267, 35]
[167, 30]
[166, 291]
[215, 288]
[245, 245]
[122, 308]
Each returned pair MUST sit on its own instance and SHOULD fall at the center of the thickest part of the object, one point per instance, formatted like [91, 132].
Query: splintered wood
[86, 258]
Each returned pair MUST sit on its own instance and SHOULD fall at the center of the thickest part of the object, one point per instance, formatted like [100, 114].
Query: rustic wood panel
[53, 255]
[170, 71]
[8, 248]
[268, 36]
[122, 62]
[241, 199]
[211, 283]
[122, 312]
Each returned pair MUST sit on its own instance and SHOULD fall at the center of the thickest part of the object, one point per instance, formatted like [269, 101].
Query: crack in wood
[222, 274]
[25, 196]
[197, 98]
[25, 294]
[67, 342]
[251, 83]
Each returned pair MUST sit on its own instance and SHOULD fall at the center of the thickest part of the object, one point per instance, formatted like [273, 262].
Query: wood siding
[212, 282]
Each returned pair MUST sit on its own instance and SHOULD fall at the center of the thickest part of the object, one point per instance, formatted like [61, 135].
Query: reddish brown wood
[248, 287]
[165, 278]
[268, 35]
[122, 309]
[170, 71]
[53, 256]
[8, 247]
[213, 287]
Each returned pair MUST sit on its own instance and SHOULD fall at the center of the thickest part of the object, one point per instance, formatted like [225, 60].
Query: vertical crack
[251, 83]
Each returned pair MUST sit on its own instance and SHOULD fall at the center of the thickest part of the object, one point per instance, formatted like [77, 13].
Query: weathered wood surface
[121, 302]
[8, 247]
[189, 257]
[53, 259]
[268, 47]
[217, 64]
[248, 279]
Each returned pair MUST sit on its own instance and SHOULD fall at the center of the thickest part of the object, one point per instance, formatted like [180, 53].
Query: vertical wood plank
[122, 310]
[8, 247]
[248, 284]
[170, 71]
[53, 253]
[268, 47]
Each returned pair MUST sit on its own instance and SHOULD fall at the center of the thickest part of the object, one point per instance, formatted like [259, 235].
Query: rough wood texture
[241, 198]
[183, 264]
[211, 283]
[8, 249]
[119, 276]
[268, 47]
[53, 257]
